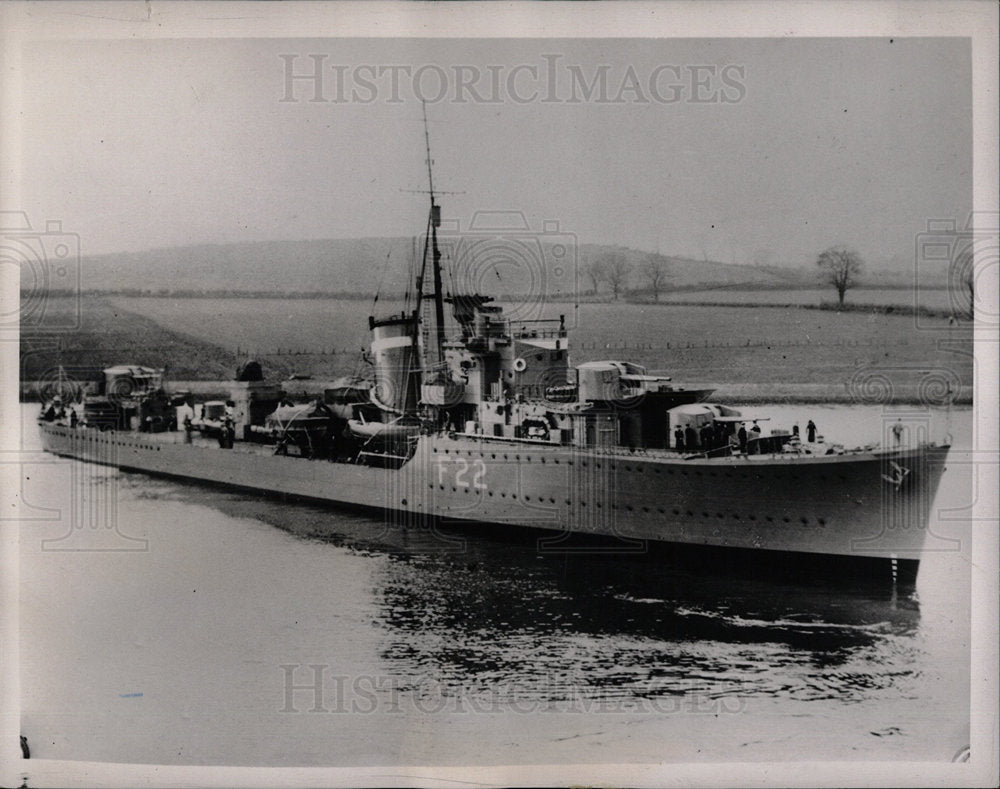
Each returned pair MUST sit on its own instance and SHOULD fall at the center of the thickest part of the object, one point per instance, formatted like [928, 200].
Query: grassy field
[86, 336]
[929, 298]
[720, 344]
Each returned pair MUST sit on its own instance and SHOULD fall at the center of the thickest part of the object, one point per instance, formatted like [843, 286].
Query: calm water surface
[181, 624]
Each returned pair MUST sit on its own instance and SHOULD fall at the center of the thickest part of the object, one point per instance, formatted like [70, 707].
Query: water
[229, 629]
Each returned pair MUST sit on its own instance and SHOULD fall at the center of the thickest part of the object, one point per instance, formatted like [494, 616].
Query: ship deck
[810, 453]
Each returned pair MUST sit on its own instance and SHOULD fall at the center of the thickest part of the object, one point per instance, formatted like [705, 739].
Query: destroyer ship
[482, 420]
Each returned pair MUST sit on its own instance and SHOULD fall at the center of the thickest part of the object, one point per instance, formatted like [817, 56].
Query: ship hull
[866, 504]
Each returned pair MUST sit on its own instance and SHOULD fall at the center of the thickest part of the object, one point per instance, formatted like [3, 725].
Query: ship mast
[435, 222]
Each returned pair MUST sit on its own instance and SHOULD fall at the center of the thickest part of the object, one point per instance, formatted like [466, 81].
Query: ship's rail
[671, 454]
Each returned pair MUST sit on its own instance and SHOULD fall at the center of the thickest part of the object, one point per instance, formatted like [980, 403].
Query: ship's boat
[310, 428]
[388, 431]
[483, 419]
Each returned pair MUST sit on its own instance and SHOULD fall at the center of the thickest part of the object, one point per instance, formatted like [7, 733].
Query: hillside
[499, 265]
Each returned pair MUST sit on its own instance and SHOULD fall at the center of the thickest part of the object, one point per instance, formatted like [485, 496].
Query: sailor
[707, 435]
[679, 440]
[811, 432]
[690, 437]
[795, 431]
[73, 420]
[741, 434]
[897, 431]
[755, 428]
[188, 428]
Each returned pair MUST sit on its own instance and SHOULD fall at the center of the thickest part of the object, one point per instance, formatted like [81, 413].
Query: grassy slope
[107, 335]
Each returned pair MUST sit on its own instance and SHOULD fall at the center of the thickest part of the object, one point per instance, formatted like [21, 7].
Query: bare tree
[654, 269]
[616, 271]
[595, 272]
[840, 267]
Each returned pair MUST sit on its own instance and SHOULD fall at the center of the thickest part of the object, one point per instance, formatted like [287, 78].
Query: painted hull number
[466, 474]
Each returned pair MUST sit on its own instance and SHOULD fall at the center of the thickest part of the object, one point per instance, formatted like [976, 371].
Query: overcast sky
[764, 150]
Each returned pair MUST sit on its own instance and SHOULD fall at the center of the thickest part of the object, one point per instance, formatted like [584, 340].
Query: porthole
[822, 521]
[804, 520]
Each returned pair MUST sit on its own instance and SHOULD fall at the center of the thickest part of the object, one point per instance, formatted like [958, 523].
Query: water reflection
[551, 627]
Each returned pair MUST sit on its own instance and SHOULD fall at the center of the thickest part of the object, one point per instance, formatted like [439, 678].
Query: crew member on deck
[679, 440]
[741, 434]
[811, 432]
[690, 438]
[707, 436]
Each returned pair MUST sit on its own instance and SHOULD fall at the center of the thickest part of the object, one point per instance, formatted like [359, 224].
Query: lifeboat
[387, 431]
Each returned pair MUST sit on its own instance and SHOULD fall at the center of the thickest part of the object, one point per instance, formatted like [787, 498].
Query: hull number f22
[467, 474]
